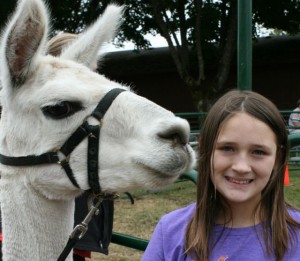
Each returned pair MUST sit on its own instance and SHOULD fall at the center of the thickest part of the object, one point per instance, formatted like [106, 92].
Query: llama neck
[34, 227]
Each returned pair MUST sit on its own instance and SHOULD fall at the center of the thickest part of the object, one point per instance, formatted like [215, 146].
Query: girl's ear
[23, 42]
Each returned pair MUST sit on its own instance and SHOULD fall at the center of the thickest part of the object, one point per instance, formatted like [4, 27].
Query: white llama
[45, 100]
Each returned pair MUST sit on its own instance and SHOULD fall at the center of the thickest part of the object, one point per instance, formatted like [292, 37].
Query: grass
[292, 192]
[140, 219]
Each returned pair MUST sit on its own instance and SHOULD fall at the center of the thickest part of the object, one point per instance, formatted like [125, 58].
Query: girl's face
[243, 159]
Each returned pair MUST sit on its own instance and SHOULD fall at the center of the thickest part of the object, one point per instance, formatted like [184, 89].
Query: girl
[240, 212]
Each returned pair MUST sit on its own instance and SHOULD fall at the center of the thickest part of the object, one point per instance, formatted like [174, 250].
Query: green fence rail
[129, 241]
[196, 119]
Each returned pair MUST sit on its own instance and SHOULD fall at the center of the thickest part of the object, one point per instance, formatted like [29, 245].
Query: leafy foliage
[74, 15]
[189, 26]
[279, 14]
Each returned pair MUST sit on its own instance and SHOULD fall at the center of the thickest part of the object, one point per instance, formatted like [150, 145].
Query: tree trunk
[228, 51]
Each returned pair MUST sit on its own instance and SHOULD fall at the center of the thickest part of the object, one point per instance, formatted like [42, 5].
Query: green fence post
[244, 45]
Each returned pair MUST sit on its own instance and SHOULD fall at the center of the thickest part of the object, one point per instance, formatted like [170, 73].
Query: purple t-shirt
[167, 242]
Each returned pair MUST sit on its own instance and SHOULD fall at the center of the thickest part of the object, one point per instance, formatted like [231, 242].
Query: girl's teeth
[242, 182]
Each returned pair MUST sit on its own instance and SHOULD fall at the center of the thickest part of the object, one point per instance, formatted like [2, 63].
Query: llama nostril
[177, 138]
[175, 131]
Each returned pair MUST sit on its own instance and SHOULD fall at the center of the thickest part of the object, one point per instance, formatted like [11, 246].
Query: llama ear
[23, 40]
[85, 49]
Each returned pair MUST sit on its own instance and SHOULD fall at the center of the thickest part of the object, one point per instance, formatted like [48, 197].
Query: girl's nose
[241, 164]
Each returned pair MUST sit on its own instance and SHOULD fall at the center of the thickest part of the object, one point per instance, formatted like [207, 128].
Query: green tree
[198, 30]
[195, 30]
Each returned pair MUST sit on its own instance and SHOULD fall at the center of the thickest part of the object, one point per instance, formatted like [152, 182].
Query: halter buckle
[65, 160]
[101, 123]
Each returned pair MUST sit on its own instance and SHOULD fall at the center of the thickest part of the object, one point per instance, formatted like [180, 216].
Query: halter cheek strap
[83, 131]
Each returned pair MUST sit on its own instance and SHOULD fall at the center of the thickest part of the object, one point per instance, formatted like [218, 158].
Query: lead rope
[80, 230]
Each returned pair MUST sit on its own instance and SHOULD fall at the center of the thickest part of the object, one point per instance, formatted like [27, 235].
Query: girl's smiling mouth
[238, 181]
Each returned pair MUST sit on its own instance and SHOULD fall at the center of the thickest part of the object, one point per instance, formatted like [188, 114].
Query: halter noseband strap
[83, 131]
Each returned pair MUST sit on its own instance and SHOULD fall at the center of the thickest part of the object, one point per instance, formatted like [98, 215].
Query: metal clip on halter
[80, 230]
[83, 226]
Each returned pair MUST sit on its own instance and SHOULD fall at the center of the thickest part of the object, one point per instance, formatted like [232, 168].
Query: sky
[156, 41]
[159, 41]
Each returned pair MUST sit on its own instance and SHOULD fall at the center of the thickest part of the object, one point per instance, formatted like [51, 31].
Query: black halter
[85, 130]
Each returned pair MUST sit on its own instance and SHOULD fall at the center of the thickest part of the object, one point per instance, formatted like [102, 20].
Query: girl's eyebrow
[225, 142]
[255, 145]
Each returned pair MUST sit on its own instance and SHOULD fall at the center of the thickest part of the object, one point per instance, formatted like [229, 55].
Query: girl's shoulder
[177, 219]
[180, 214]
[295, 214]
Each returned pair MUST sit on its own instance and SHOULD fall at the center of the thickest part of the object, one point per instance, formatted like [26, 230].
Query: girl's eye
[61, 110]
[259, 152]
[227, 148]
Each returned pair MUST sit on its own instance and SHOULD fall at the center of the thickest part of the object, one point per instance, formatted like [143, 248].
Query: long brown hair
[280, 227]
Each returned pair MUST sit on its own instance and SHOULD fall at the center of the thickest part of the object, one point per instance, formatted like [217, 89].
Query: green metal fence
[196, 119]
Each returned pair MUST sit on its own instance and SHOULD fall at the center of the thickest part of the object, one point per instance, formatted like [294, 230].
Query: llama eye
[61, 110]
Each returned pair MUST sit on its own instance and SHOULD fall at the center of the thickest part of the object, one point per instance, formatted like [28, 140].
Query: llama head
[45, 99]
